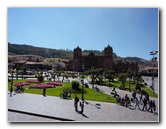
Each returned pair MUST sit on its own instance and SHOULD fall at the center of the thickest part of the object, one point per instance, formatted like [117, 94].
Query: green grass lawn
[89, 94]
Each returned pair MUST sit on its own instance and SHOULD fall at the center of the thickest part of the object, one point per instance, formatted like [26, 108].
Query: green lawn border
[89, 94]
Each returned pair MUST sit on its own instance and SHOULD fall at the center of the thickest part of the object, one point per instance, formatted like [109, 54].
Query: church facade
[105, 61]
[83, 62]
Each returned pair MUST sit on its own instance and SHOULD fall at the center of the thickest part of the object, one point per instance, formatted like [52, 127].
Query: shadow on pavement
[79, 112]
[96, 105]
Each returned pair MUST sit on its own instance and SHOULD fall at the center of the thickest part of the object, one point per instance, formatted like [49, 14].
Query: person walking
[137, 103]
[134, 95]
[140, 98]
[150, 105]
[76, 100]
[44, 91]
[82, 107]
[144, 104]
[147, 97]
[126, 100]
[154, 107]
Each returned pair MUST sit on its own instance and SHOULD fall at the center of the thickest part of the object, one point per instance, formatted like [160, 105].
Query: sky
[132, 32]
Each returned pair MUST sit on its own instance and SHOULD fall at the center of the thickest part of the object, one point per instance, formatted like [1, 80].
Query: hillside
[66, 54]
[140, 61]
[45, 52]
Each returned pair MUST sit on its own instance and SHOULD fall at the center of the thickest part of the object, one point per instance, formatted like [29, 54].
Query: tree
[40, 77]
[137, 77]
[122, 78]
[137, 86]
[110, 77]
[75, 85]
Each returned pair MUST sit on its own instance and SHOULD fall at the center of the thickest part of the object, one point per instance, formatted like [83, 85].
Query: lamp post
[83, 83]
[129, 79]
[93, 78]
[93, 81]
[153, 59]
[11, 86]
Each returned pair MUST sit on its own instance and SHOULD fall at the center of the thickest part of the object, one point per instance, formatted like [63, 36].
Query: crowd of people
[147, 104]
[124, 101]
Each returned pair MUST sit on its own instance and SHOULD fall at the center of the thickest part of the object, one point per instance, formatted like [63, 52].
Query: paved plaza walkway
[64, 109]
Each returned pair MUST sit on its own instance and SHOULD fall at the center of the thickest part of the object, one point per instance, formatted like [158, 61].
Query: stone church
[83, 62]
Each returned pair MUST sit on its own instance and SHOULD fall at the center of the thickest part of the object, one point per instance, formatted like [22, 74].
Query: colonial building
[28, 61]
[123, 66]
[31, 58]
[105, 61]
[80, 62]
[83, 62]
[150, 71]
[57, 63]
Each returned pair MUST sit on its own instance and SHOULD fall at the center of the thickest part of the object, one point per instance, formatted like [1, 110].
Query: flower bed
[55, 83]
[20, 84]
[41, 86]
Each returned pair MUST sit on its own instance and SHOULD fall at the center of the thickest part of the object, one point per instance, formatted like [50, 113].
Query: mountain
[140, 61]
[66, 54]
[45, 52]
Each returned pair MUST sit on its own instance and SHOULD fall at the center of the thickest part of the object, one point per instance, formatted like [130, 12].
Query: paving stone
[56, 107]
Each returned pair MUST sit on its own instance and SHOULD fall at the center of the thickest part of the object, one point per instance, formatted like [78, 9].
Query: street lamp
[11, 86]
[93, 79]
[83, 83]
[153, 59]
[129, 79]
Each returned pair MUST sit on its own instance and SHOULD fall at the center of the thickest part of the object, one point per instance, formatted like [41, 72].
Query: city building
[28, 61]
[123, 66]
[57, 63]
[149, 71]
[80, 62]
[105, 61]
[31, 58]
[83, 62]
